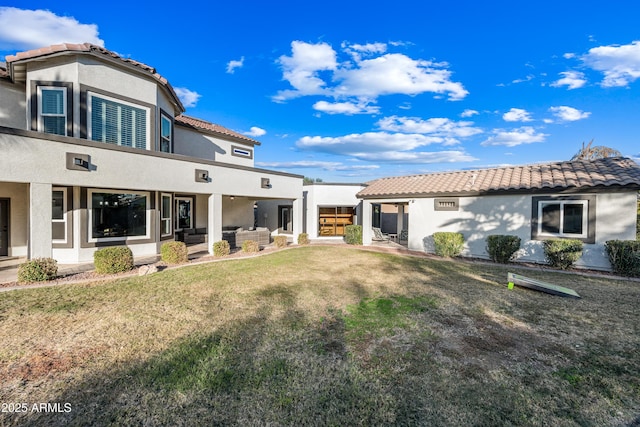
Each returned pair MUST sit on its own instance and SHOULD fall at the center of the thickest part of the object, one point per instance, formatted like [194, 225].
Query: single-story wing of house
[95, 151]
[593, 201]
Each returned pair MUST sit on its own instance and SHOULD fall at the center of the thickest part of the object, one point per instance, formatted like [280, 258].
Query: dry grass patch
[324, 335]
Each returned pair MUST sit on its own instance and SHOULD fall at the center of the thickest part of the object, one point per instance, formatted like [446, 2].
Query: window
[241, 152]
[166, 134]
[165, 215]
[59, 215]
[117, 122]
[114, 216]
[333, 221]
[52, 110]
[564, 217]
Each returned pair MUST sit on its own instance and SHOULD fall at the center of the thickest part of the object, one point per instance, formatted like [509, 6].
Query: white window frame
[41, 115]
[90, 96]
[64, 214]
[169, 141]
[92, 239]
[163, 218]
[561, 203]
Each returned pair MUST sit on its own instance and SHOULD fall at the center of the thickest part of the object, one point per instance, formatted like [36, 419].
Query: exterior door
[284, 219]
[184, 213]
[4, 227]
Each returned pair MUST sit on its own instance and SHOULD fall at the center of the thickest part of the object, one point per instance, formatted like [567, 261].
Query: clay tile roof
[98, 51]
[608, 172]
[217, 130]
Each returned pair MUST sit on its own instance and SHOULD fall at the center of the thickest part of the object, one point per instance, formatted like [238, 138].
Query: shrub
[353, 234]
[303, 239]
[250, 246]
[38, 270]
[174, 253]
[502, 248]
[221, 248]
[448, 244]
[280, 241]
[624, 256]
[116, 259]
[562, 253]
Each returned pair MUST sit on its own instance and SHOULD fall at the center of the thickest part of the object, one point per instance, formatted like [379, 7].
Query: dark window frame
[35, 103]
[590, 208]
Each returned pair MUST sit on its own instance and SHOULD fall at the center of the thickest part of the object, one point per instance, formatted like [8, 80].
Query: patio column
[214, 220]
[400, 219]
[367, 233]
[298, 215]
[40, 213]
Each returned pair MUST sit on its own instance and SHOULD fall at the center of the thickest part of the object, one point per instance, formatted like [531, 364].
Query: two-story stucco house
[95, 151]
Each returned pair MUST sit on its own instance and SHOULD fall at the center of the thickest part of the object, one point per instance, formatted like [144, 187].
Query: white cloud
[255, 132]
[620, 64]
[526, 79]
[569, 55]
[232, 65]
[512, 138]
[571, 79]
[395, 73]
[302, 67]
[313, 69]
[314, 164]
[444, 128]
[418, 157]
[348, 108]
[469, 113]
[366, 142]
[22, 29]
[187, 97]
[517, 115]
[569, 114]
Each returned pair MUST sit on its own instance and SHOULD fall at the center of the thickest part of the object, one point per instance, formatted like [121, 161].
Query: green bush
[115, 259]
[221, 248]
[38, 270]
[624, 256]
[502, 248]
[280, 241]
[353, 234]
[448, 244]
[174, 253]
[562, 253]
[303, 239]
[250, 246]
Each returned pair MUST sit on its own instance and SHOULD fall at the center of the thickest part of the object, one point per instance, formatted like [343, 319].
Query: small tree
[589, 152]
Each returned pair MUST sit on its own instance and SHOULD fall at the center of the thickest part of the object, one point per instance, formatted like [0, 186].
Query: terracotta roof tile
[203, 125]
[96, 50]
[550, 176]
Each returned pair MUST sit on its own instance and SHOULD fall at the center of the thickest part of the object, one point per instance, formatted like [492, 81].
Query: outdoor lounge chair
[379, 236]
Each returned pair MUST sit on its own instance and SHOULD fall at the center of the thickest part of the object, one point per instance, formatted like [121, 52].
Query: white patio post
[367, 233]
[400, 220]
[40, 213]
[298, 215]
[214, 222]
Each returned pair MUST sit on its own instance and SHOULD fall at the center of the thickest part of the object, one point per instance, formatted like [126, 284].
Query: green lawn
[323, 336]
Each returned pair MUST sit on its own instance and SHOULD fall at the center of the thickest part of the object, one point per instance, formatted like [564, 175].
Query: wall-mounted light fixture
[78, 162]
[202, 175]
[265, 183]
[232, 197]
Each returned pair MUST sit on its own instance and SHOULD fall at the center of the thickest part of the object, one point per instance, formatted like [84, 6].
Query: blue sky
[349, 91]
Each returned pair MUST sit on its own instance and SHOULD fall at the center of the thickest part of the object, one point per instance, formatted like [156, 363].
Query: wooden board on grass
[539, 285]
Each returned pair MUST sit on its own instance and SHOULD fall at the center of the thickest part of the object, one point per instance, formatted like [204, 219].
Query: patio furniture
[379, 236]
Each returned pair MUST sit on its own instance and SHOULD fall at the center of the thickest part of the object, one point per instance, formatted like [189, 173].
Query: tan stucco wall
[13, 105]
[192, 143]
